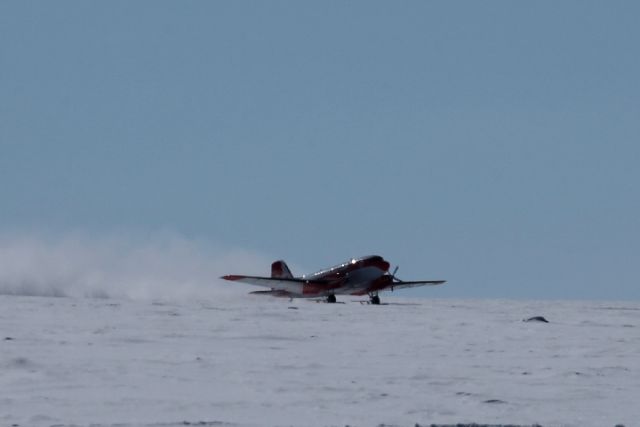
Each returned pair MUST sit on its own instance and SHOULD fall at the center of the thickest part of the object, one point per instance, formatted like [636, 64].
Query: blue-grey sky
[492, 144]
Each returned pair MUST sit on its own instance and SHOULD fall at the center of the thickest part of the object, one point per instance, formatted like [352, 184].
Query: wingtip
[231, 277]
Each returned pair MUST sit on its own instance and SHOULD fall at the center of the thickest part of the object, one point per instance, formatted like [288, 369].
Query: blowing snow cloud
[165, 266]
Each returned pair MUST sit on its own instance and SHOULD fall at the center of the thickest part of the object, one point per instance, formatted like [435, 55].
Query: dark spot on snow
[21, 362]
[494, 401]
[292, 308]
[536, 319]
[526, 373]
[8, 339]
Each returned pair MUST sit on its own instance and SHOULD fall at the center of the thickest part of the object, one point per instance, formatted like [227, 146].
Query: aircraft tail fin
[280, 270]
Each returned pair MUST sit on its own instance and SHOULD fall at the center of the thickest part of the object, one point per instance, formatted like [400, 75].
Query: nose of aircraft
[375, 261]
[383, 265]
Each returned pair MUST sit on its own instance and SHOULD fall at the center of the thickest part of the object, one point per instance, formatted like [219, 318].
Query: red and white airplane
[358, 276]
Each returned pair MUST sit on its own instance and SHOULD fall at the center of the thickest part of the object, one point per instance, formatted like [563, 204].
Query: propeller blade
[393, 277]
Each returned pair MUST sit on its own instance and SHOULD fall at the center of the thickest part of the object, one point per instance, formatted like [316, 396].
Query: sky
[492, 144]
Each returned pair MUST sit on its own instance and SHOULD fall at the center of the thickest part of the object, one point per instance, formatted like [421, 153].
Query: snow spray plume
[166, 266]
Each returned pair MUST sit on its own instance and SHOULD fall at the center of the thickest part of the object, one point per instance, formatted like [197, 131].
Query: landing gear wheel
[331, 299]
[375, 300]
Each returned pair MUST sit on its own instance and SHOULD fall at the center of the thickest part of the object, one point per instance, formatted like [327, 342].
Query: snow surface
[249, 360]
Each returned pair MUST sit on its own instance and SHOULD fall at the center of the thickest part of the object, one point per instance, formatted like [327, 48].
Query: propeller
[394, 279]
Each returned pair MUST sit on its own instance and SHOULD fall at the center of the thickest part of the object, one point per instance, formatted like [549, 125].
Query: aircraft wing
[413, 284]
[269, 282]
[291, 285]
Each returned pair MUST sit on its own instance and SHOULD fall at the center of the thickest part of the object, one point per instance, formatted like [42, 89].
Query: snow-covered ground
[249, 360]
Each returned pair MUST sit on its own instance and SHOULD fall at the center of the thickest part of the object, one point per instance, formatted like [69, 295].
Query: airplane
[357, 276]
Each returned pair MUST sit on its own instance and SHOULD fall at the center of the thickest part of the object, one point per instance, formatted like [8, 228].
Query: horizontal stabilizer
[273, 293]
